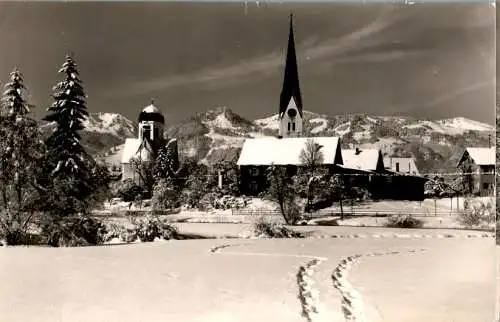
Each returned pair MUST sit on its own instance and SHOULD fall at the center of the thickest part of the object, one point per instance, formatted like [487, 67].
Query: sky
[427, 60]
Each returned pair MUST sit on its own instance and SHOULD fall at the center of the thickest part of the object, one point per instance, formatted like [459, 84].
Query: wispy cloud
[265, 64]
[359, 39]
[380, 57]
[459, 92]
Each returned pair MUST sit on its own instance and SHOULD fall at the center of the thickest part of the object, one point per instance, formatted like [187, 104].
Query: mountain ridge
[218, 134]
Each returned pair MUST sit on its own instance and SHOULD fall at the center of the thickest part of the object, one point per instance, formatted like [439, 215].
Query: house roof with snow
[401, 165]
[286, 151]
[135, 149]
[480, 156]
[363, 159]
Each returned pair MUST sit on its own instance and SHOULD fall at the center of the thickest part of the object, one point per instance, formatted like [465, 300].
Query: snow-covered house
[362, 169]
[258, 154]
[401, 165]
[146, 146]
[366, 168]
[481, 163]
[369, 160]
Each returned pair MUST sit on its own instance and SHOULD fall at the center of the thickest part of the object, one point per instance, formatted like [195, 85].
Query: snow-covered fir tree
[167, 162]
[71, 176]
[68, 111]
[21, 150]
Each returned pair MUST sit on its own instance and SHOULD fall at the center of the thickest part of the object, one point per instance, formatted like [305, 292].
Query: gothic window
[289, 126]
[293, 126]
[397, 166]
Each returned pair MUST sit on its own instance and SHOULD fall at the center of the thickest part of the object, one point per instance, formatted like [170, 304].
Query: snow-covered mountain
[219, 134]
[102, 131]
[110, 123]
[106, 123]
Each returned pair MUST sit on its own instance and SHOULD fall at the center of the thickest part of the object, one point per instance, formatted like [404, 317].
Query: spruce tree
[167, 163]
[68, 111]
[70, 173]
[21, 150]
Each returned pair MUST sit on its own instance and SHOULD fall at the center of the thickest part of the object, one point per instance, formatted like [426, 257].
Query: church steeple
[291, 88]
[290, 112]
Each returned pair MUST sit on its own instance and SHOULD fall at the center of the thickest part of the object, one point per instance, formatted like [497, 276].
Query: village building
[401, 165]
[361, 168]
[257, 155]
[145, 148]
[480, 164]
[367, 169]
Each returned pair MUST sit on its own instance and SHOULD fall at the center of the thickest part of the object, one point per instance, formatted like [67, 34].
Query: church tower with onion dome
[151, 126]
[148, 144]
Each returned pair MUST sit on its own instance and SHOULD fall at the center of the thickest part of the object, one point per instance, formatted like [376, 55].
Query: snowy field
[380, 279]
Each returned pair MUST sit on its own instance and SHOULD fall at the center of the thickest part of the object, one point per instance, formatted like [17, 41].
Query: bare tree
[467, 178]
[311, 157]
[338, 188]
[145, 172]
[282, 191]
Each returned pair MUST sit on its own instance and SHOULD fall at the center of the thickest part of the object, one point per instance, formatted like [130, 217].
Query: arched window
[146, 132]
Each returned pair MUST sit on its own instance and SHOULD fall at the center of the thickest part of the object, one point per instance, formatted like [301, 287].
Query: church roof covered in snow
[363, 159]
[138, 150]
[286, 151]
[480, 156]
[151, 113]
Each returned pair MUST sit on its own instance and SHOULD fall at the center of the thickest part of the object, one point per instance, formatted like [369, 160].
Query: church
[146, 147]
[285, 149]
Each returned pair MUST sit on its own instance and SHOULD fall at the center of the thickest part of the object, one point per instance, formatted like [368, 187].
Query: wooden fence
[347, 212]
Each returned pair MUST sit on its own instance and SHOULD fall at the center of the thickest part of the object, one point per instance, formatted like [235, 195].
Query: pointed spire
[291, 86]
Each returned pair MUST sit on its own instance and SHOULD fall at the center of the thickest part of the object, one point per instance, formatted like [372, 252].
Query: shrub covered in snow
[477, 213]
[231, 202]
[20, 237]
[265, 228]
[404, 221]
[165, 195]
[74, 231]
[129, 191]
[152, 227]
[207, 202]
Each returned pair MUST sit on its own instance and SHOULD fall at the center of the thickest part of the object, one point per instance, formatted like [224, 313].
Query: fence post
[435, 207]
